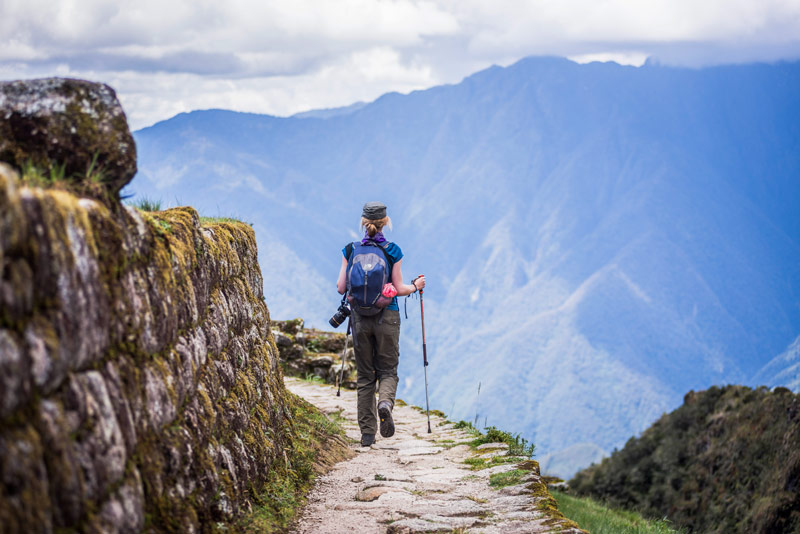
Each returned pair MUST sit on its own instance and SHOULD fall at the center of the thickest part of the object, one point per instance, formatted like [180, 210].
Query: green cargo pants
[376, 343]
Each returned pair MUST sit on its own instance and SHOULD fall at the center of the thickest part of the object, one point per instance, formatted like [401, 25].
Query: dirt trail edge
[418, 482]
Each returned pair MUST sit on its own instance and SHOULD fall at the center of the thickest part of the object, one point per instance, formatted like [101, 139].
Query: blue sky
[282, 57]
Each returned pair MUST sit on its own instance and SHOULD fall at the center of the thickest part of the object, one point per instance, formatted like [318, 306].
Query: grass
[507, 478]
[314, 379]
[37, 177]
[517, 446]
[55, 176]
[599, 519]
[147, 204]
[467, 427]
[278, 503]
[476, 463]
[217, 220]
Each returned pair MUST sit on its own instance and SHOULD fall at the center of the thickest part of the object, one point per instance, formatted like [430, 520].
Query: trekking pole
[344, 355]
[424, 356]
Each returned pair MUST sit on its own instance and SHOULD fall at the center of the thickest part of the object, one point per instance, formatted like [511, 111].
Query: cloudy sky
[286, 56]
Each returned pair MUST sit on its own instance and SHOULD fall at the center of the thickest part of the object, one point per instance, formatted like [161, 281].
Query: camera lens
[337, 319]
[341, 314]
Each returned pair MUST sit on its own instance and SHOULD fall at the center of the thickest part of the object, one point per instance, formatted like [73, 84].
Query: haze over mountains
[597, 239]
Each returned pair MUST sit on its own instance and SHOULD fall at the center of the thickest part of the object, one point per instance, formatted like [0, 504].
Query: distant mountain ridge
[598, 239]
[327, 113]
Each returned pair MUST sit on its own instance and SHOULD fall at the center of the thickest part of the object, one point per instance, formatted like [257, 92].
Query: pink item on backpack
[389, 291]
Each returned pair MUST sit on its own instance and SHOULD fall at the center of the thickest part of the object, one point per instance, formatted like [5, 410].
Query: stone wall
[307, 352]
[139, 379]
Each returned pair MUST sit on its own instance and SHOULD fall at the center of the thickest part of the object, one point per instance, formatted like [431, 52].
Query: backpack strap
[383, 246]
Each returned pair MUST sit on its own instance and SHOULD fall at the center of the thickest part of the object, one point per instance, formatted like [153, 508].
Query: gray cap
[374, 211]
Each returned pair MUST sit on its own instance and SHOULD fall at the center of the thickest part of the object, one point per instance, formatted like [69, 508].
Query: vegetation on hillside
[726, 461]
[598, 519]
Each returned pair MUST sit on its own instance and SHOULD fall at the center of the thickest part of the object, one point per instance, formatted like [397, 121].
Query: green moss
[217, 220]
[283, 436]
[506, 478]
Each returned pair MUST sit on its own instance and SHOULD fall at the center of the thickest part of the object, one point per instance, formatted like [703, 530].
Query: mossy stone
[74, 124]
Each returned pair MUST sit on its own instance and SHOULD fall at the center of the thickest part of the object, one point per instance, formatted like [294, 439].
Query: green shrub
[726, 461]
[517, 446]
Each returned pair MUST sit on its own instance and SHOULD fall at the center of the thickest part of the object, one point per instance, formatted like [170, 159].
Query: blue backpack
[369, 268]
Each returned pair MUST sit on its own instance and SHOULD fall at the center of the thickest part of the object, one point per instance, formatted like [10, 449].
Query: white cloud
[284, 56]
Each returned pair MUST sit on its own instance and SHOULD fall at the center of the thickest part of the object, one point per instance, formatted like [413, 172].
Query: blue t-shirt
[395, 255]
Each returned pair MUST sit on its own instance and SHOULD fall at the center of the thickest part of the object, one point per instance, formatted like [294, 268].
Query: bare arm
[397, 281]
[341, 284]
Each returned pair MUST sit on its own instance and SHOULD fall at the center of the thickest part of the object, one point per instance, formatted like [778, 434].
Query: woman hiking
[376, 328]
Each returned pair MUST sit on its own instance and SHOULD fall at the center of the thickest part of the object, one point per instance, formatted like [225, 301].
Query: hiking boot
[385, 415]
[367, 439]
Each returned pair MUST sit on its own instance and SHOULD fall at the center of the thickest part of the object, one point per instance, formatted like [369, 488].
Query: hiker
[376, 328]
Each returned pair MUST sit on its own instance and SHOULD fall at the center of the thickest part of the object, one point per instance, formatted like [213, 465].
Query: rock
[13, 386]
[99, 446]
[62, 464]
[281, 339]
[292, 352]
[323, 361]
[413, 526]
[373, 493]
[519, 489]
[124, 511]
[314, 352]
[418, 451]
[75, 123]
[25, 499]
[290, 327]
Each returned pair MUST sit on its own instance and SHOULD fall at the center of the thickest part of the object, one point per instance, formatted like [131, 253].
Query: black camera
[341, 314]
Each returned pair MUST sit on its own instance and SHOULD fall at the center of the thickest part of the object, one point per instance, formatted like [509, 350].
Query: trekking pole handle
[413, 282]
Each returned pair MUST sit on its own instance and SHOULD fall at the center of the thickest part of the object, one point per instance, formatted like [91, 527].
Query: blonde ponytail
[373, 227]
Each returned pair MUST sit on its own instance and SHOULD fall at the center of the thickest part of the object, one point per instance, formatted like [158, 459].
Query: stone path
[416, 482]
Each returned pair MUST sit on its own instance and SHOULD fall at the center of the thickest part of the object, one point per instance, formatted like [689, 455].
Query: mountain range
[597, 239]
